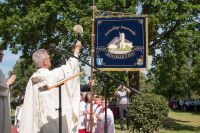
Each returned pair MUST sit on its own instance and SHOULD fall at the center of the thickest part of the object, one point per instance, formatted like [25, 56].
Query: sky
[8, 62]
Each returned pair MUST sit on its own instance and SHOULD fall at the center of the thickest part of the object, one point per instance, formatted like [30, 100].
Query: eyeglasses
[1, 54]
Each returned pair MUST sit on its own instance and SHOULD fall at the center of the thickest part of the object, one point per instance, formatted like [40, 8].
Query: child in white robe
[82, 116]
[88, 98]
[97, 111]
[101, 120]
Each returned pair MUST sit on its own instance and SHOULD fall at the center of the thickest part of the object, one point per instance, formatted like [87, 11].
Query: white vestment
[39, 114]
[110, 122]
[98, 110]
[18, 114]
[82, 116]
[5, 122]
[88, 116]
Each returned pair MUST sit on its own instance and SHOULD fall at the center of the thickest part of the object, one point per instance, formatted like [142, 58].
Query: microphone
[79, 30]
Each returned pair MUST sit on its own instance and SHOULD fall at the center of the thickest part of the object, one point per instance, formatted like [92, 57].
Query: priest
[5, 122]
[39, 113]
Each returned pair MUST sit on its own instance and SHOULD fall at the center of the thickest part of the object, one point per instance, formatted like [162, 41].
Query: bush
[147, 113]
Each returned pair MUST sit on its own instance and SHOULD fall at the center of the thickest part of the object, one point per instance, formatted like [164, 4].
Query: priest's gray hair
[38, 57]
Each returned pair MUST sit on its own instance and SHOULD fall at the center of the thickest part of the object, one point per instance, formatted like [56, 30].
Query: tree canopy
[173, 30]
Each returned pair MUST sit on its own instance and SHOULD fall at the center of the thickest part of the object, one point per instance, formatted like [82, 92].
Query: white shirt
[82, 116]
[122, 97]
[110, 122]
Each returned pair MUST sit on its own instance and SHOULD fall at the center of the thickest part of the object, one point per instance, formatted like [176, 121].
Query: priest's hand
[11, 80]
[77, 48]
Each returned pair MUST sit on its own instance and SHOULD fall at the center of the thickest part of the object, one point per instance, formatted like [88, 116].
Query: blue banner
[121, 43]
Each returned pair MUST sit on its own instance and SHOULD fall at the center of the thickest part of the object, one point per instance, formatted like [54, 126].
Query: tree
[27, 26]
[146, 85]
[172, 23]
[175, 26]
[22, 79]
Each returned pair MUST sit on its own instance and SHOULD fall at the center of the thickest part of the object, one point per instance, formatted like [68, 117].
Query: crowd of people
[192, 105]
[98, 111]
[98, 115]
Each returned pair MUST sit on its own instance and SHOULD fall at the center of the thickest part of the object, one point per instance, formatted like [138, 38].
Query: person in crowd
[100, 118]
[122, 98]
[87, 100]
[39, 114]
[82, 115]
[95, 105]
[5, 121]
[97, 111]
[18, 111]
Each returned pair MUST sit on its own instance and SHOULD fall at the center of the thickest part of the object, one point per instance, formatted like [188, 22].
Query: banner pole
[91, 69]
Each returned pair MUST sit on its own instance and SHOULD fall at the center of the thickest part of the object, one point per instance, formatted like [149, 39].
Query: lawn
[177, 122]
[180, 122]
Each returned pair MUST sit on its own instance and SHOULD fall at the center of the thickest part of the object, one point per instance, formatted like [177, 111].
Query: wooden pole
[91, 69]
[62, 82]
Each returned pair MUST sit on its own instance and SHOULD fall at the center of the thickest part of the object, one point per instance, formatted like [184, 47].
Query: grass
[118, 129]
[177, 122]
[182, 122]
